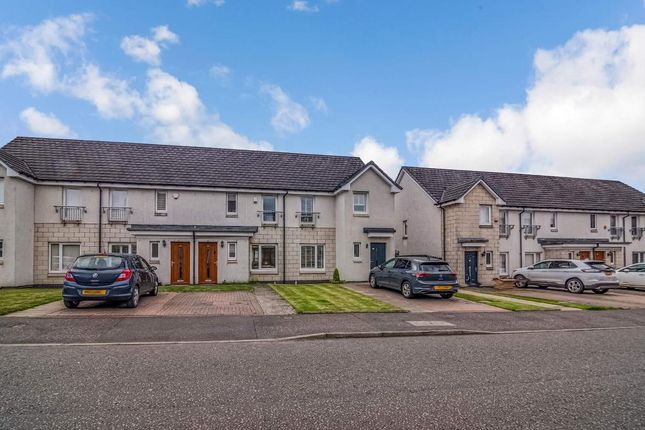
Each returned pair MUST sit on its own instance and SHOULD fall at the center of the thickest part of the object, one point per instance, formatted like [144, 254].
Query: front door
[584, 255]
[599, 255]
[470, 258]
[377, 254]
[180, 262]
[208, 262]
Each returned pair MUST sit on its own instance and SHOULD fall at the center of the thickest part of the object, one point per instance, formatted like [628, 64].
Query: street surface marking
[430, 323]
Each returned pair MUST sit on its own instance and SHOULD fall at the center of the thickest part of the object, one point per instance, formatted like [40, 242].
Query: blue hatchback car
[412, 275]
[109, 277]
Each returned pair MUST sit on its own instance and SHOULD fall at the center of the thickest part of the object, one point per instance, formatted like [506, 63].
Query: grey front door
[377, 254]
[470, 258]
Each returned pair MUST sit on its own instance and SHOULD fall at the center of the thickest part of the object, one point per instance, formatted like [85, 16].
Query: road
[545, 380]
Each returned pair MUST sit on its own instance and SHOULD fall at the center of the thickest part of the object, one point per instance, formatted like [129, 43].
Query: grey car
[574, 275]
[412, 275]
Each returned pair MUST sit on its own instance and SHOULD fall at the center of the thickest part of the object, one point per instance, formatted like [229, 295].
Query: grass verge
[499, 303]
[19, 299]
[218, 288]
[566, 304]
[329, 298]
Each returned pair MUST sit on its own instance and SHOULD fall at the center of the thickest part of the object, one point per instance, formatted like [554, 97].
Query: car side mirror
[381, 266]
[154, 268]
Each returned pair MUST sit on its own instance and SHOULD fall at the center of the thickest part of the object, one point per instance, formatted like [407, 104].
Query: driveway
[616, 298]
[427, 303]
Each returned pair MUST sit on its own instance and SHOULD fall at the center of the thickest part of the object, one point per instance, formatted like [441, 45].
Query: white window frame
[489, 211]
[535, 255]
[165, 209]
[1, 249]
[275, 209]
[355, 246]
[152, 257]
[638, 257]
[593, 222]
[1, 192]
[488, 259]
[553, 222]
[260, 247]
[405, 229]
[234, 248]
[118, 190]
[356, 194]
[503, 263]
[228, 213]
[307, 217]
[128, 244]
[531, 216]
[60, 245]
[317, 247]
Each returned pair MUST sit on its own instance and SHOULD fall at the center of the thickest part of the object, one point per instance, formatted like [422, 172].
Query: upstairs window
[1, 249]
[360, 203]
[231, 203]
[485, 215]
[634, 220]
[613, 221]
[527, 218]
[503, 217]
[161, 202]
[592, 221]
[269, 205]
[554, 221]
[307, 209]
[1, 191]
[118, 198]
[72, 197]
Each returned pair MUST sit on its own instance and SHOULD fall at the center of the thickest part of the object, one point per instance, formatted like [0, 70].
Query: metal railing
[117, 213]
[505, 230]
[307, 219]
[615, 232]
[71, 213]
[269, 217]
[530, 230]
[637, 232]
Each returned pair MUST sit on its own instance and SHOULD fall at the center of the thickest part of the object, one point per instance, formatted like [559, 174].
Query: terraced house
[201, 215]
[488, 224]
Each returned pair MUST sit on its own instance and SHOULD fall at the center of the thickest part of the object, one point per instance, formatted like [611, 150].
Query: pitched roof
[533, 191]
[167, 165]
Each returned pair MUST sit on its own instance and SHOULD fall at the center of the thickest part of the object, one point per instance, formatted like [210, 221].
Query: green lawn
[218, 288]
[18, 299]
[583, 306]
[329, 298]
[511, 306]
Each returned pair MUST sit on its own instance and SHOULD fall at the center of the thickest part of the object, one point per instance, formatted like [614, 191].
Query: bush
[336, 277]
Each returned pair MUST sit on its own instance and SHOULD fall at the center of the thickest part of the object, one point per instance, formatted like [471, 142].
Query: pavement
[615, 298]
[543, 380]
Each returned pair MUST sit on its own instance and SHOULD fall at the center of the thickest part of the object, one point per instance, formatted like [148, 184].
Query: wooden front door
[180, 262]
[208, 262]
[584, 255]
[599, 255]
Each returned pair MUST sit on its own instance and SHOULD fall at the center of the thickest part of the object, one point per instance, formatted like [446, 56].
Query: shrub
[336, 277]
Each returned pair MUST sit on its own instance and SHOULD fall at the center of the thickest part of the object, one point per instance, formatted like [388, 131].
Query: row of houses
[212, 215]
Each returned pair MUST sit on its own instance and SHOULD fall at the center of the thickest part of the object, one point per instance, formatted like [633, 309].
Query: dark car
[110, 277]
[412, 275]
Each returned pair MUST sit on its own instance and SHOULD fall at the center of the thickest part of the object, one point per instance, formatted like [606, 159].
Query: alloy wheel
[575, 286]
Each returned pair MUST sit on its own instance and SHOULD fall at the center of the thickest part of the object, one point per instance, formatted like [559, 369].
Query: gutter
[100, 216]
[284, 237]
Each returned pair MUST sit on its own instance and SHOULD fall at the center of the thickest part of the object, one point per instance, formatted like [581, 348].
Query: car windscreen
[434, 267]
[99, 262]
[598, 265]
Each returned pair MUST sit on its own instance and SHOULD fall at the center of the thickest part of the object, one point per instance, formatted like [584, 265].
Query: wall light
[163, 243]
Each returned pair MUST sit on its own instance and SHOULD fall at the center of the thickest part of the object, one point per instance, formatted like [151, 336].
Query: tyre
[600, 291]
[406, 290]
[373, 282]
[521, 281]
[446, 295]
[155, 290]
[575, 285]
[134, 298]
[71, 304]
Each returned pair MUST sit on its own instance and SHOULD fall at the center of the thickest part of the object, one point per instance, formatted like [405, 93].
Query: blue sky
[414, 82]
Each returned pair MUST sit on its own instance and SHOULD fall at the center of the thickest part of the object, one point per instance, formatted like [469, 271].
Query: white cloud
[35, 51]
[221, 73]
[191, 3]
[386, 157]
[584, 115]
[288, 116]
[45, 124]
[303, 6]
[319, 104]
[147, 50]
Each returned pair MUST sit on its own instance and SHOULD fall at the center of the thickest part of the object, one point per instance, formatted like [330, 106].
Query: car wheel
[71, 304]
[134, 298]
[521, 281]
[155, 290]
[575, 286]
[373, 282]
[600, 291]
[406, 290]
[446, 295]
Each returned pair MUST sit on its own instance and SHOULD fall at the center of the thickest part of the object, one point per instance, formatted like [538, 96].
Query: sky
[549, 87]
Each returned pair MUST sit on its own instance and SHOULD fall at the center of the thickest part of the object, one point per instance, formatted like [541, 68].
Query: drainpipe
[100, 216]
[624, 241]
[443, 232]
[284, 237]
[194, 258]
[521, 241]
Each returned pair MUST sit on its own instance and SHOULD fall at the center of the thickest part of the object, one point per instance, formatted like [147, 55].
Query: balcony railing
[71, 213]
[637, 232]
[117, 214]
[505, 230]
[269, 217]
[307, 219]
[530, 230]
[615, 232]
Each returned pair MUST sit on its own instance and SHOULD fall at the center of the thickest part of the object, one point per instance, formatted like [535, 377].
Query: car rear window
[99, 262]
[598, 265]
[434, 267]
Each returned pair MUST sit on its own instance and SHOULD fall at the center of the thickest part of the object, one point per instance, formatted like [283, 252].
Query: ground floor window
[530, 258]
[503, 263]
[263, 257]
[154, 251]
[124, 248]
[312, 256]
[357, 250]
[1, 249]
[62, 255]
[488, 258]
[232, 251]
[638, 257]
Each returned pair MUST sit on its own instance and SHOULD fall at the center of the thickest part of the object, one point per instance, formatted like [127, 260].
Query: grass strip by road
[566, 304]
[329, 298]
[19, 299]
[499, 303]
[204, 288]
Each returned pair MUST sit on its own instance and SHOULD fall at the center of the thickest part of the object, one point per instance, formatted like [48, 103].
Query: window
[307, 209]
[485, 215]
[1, 191]
[542, 265]
[1, 249]
[562, 265]
[503, 217]
[390, 264]
[554, 221]
[503, 263]
[154, 251]
[527, 218]
[268, 209]
[62, 255]
[530, 258]
[592, 221]
[613, 220]
[118, 198]
[232, 251]
[360, 203]
[488, 258]
[633, 220]
[405, 228]
[263, 257]
[123, 248]
[231, 204]
[638, 257]
[161, 202]
[357, 250]
[71, 197]
[611, 257]
[312, 257]
[402, 263]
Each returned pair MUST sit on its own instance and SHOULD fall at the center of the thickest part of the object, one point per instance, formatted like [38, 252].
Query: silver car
[632, 276]
[574, 275]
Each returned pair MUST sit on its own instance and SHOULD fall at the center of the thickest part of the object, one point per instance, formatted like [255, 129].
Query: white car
[632, 276]
[574, 275]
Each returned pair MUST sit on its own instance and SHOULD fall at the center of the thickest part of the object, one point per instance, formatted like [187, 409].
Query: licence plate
[609, 273]
[94, 292]
[443, 287]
